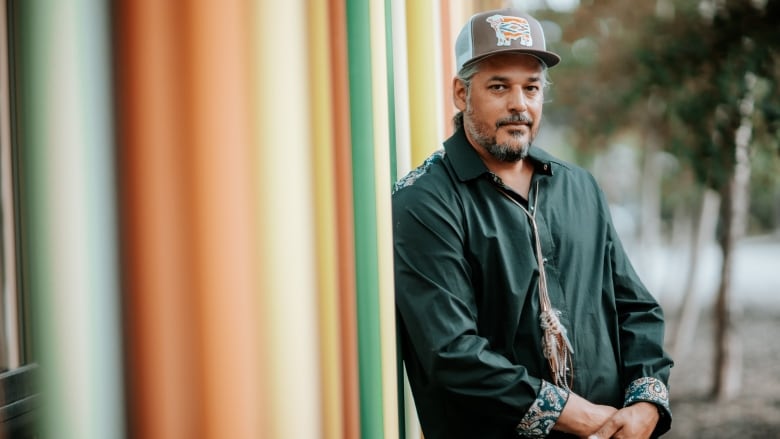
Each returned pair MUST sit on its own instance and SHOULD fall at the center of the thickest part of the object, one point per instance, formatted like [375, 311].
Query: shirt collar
[468, 164]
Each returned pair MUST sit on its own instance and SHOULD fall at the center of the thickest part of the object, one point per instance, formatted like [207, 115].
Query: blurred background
[195, 203]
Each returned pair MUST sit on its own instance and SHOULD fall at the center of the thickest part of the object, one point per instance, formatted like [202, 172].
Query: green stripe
[69, 246]
[366, 252]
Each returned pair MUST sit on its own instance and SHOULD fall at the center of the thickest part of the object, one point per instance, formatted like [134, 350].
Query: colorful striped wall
[205, 199]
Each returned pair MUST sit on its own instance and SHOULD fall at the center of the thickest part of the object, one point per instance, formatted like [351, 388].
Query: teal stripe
[366, 252]
[66, 149]
[391, 92]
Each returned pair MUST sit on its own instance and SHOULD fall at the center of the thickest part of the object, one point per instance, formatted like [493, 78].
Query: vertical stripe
[382, 186]
[283, 172]
[408, 417]
[162, 368]
[400, 99]
[11, 342]
[219, 140]
[447, 63]
[424, 77]
[67, 155]
[345, 219]
[396, 390]
[324, 188]
[362, 129]
[388, 51]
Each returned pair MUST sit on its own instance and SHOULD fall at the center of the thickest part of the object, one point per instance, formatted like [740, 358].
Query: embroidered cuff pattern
[648, 389]
[544, 412]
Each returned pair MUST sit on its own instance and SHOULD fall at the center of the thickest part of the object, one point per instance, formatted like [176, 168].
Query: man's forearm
[581, 417]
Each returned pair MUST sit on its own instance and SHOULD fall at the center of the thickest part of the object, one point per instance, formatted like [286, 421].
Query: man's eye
[497, 87]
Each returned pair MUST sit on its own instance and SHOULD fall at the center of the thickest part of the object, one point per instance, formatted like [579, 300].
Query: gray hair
[466, 74]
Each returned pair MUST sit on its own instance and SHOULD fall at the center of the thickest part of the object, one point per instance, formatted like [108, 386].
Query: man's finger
[606, 431]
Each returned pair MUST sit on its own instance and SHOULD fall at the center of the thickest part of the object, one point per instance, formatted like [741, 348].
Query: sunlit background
[195, 203]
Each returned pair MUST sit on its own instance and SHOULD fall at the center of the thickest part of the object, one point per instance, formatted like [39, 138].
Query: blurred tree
[696, 78]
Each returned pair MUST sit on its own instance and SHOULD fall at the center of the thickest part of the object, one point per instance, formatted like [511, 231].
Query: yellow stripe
[331, 400]
[424, 108]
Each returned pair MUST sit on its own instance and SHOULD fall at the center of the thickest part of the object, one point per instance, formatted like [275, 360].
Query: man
[494, 345]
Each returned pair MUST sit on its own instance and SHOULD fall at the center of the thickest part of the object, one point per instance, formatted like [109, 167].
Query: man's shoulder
[425, 170]
[561, 167]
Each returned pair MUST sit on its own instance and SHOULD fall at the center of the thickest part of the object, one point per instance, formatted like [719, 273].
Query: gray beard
[502, 152]
[506, 153]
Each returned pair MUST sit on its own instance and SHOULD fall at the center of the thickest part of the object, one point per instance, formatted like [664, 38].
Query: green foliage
[677, 71]
[705, 80]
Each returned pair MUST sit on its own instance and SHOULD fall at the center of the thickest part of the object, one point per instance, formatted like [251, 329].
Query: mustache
[514, 118]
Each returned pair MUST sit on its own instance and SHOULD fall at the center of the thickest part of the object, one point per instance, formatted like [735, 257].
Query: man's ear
[459, 93]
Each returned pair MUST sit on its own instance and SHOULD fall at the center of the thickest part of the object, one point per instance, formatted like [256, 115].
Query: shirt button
[531, 208]
[545, 166]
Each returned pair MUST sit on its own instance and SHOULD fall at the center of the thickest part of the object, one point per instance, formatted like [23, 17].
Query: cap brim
[548, 58]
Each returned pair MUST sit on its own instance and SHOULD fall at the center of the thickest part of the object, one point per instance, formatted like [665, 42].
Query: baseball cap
[501, 31]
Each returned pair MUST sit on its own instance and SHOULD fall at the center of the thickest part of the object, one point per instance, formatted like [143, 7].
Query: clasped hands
[592, 421]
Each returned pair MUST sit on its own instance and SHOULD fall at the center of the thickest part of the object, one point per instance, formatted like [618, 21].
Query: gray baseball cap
[501, 31]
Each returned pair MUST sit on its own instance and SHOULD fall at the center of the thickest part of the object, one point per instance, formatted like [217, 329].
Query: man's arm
[438, 311]
[645, 365]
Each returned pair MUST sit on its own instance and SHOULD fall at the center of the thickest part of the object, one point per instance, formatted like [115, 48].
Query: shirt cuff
[544, 412]
[647, 389]
[652, 390]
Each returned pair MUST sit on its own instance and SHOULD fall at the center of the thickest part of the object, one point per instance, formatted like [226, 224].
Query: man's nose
[517, 101]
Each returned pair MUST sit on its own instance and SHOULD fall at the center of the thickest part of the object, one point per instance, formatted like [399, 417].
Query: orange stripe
[447, 62]
[162, 369]
[218, 136]
[507, 19]
[346, 227]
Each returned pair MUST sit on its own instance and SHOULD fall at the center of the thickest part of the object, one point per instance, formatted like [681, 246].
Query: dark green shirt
[467, 295]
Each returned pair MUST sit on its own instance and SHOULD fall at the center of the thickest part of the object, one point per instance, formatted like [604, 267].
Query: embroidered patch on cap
[510, 28]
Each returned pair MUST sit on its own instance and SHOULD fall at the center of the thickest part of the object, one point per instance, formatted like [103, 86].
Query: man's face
[502, 111]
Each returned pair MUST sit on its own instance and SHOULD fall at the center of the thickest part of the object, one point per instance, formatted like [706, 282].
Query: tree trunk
[704, 232]
[650, 216]
[728, 349]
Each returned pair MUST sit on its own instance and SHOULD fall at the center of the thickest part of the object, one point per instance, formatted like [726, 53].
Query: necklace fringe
[556, 347]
